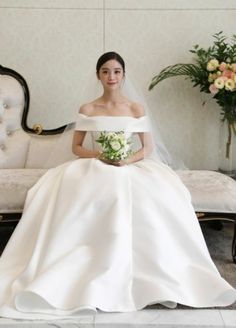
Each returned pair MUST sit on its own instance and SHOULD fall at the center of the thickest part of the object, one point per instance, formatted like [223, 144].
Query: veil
[62, 149]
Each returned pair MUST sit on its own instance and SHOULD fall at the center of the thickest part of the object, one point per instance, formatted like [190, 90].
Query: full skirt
[95, 236]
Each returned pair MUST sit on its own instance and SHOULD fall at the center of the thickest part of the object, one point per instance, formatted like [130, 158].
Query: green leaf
[190, 70]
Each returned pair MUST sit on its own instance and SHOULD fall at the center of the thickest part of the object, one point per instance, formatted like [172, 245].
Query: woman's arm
[79, 150]
[144, 151]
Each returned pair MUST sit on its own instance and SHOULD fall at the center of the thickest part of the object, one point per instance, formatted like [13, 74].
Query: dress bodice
[96, 124]
[112, 123]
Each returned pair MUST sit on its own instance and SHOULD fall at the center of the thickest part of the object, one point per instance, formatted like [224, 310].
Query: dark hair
[109, 56]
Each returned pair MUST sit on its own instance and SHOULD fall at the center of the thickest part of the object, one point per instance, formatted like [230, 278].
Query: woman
[112, 230]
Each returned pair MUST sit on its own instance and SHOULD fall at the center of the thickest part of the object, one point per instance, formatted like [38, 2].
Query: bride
[113, 230]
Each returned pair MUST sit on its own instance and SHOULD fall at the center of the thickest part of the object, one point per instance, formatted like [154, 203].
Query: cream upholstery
[14, 184]
[24, 157]
[11, 107]
[39, 151]
[211, 191]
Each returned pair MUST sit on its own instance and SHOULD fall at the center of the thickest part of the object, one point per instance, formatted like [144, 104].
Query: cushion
[39, 150]
[14, 152]
[50, 151]
[211, 191]
[14, 186]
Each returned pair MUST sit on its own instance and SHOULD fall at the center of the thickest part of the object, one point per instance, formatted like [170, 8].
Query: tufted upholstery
[11, 107]
[22, 155]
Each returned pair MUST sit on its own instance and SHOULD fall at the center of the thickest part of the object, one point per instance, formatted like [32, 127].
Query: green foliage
[207, 73]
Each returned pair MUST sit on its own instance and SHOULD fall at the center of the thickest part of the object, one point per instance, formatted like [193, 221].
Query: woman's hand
[110, 162]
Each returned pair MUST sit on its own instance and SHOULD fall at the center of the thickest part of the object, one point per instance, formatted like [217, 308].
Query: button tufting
[2, 147]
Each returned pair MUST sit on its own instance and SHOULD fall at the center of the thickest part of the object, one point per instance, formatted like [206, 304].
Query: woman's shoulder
[87, 109]
[137, 109]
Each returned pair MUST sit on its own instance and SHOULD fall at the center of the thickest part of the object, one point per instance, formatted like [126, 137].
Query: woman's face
[111, 74]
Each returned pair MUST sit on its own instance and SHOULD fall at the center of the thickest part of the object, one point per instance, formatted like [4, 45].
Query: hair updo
[111, 55]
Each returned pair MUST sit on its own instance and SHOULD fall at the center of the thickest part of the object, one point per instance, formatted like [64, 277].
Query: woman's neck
[112, 97]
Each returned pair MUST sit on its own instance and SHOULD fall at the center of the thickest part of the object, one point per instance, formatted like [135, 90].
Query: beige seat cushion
[211, 191]
[14, 186]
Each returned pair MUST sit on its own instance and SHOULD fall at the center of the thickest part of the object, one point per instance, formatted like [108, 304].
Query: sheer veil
[62, 149]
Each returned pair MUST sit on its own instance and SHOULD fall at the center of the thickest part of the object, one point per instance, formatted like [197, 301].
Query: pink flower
[227, 73]
[233, 67]
[223, 66]
[233, 75]
[213, 89]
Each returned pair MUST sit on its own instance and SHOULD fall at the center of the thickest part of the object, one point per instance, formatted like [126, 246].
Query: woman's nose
[111, 75]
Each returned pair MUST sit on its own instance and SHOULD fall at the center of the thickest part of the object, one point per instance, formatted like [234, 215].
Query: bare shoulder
[137, 109]
[87, 109]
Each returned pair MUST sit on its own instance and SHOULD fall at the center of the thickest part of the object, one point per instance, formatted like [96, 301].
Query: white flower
[115, 145]
[219, 83]
[229, 85]
[212, 65]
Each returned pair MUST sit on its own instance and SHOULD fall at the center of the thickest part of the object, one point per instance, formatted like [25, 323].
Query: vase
[227, 149]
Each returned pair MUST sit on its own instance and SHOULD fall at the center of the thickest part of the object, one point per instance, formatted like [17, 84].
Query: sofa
[24, 154]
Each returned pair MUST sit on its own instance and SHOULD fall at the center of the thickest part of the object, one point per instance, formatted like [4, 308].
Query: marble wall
[54, 44]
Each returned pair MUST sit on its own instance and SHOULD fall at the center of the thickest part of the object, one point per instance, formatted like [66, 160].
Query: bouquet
[115, 145]
[215, 73]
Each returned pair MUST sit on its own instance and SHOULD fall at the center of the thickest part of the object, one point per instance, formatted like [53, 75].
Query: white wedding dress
[96, 236]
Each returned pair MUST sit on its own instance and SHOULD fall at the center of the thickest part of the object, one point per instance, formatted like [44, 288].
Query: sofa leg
[234, 243]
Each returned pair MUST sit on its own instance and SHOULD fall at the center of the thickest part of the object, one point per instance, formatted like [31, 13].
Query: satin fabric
[96, 236]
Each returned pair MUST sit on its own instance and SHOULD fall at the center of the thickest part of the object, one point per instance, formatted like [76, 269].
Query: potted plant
[214, 71]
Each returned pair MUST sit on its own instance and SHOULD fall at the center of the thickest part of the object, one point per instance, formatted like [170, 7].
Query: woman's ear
[98, 75]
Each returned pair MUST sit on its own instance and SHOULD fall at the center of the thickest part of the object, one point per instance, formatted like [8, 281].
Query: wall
[55, 44]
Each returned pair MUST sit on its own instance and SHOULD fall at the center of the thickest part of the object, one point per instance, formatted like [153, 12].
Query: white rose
[229, 85]
[212, 65]
[219, 83]
[115, 145]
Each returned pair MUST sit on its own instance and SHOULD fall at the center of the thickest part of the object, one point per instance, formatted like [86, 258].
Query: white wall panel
[53, 50]
[150, 40]
[55, 43]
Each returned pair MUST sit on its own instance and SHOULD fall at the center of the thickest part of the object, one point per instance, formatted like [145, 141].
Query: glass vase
[227, 149]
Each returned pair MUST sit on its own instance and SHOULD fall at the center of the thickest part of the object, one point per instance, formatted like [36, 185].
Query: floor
[145, 318]
[166, 318]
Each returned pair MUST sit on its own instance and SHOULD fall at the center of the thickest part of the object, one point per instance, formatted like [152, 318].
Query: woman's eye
[117, 72]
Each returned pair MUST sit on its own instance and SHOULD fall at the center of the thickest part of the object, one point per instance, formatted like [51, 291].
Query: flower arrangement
[215, 73]
[115, 145]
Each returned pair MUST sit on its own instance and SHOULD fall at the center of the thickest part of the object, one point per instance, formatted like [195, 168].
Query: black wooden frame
[23, 83]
